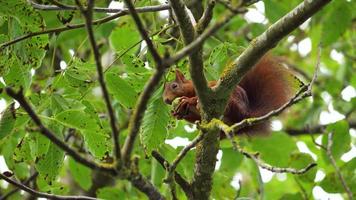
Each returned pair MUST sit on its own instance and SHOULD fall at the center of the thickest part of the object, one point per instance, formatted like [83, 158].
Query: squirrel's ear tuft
[179, 76]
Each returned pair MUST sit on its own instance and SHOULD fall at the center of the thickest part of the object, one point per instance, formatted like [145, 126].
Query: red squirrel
[267, 86]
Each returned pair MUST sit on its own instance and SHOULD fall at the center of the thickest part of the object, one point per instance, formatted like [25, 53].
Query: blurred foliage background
[58, 75]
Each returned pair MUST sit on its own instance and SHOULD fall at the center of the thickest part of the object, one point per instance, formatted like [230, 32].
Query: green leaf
[275, 149]
[22, 152]
[7, 121]
[230, 162]
[98, 143]
[124, 37]
[134, 64]
[301, 160]
[77, 119]
[336, 22]
[50, 165]
[109, 193]
[18, 75]
[340, 140]
[58, 103]
[122, 91]
[154, 124]
[30, 51]
[332, 183]
[274, 10]
[39, 145]
[81, 174]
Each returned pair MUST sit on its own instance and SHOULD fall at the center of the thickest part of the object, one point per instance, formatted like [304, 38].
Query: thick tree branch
[264, 43]
[82, 25]
[41, 194]
[206, 18]
[18, 96]
[196, 57]
[88, 15]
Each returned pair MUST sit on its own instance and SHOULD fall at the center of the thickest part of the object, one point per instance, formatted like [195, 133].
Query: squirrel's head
[178, 88]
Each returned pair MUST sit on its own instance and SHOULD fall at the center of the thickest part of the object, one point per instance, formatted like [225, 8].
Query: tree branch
[26, 182]
[41, 194]
[196, 57]
[186, 187]
[18, 96]
[143, 33]
[138, 113]
[61, 7]
[88, 15]
[206, 18]
[141, 183]
[318, 129]
[82, 25]
[265, 42]
[337, 170]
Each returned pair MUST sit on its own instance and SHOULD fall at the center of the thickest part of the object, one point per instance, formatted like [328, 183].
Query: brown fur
[264, 88]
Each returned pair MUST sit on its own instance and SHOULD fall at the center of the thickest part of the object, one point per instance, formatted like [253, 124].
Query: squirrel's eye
[174, 85]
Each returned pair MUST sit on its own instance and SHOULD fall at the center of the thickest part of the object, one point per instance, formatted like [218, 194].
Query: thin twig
[82, 25]
[274, 169]
[260, 182]
[88, 15]
[186, 187]
[143, 32]
[19, 97]
[58, 6]
[26, 182]
[41, 194]
[337, 169]
[184, 151]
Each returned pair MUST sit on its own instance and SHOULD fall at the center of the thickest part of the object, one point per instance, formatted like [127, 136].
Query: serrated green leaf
[81, 174]
[22, 151]
[124, 37]
[39, 145]
[7, 121]
[122, 91]
[58, 103]
[97, 143]
[49, 166]
[154, 124]
[274, 149]
[77, 119]
[133, 64]
[18, 75]
[32, 50]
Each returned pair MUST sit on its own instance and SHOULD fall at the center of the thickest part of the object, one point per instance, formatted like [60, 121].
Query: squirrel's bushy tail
[269, 85]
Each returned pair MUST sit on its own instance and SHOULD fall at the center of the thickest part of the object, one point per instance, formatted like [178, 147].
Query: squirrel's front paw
[186, 108]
